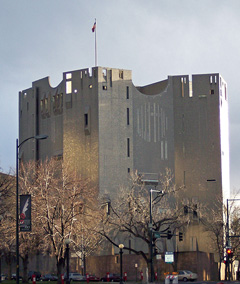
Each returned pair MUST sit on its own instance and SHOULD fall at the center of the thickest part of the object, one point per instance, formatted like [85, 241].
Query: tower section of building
[106, 128]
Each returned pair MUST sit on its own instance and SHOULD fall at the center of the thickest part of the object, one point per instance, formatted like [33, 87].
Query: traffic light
[180, 236]
[229, 253]
[169, 235]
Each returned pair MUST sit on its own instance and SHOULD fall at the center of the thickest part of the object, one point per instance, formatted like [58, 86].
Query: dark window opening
[128, 116]
[128, 147]
[121, 74]
[128, 170]
[212, 92]
[127, 93]
[86, 119]
[104, 88]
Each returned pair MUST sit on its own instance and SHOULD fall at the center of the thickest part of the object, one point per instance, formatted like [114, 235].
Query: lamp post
[136, 268]
[67, 242]
[227, 235]
[121, 246]
[37, 137]
[151, 233]
[1, 217]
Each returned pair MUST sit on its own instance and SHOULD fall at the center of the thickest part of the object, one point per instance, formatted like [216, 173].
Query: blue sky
[153, 38]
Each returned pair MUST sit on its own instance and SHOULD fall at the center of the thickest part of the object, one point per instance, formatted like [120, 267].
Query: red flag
[94, 27]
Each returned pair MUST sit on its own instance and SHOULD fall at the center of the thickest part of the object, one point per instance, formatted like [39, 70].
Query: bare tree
[214, 221]
[58, 198]
[7, 218]
[130, 214]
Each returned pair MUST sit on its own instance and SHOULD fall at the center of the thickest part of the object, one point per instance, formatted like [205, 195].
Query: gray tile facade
[107, 127]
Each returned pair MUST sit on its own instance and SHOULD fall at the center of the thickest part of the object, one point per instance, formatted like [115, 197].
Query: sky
[153, 38]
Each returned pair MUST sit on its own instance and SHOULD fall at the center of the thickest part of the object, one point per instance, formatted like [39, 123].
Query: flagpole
[96, 43]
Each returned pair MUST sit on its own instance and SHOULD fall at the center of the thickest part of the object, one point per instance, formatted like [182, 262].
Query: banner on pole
[25, 213]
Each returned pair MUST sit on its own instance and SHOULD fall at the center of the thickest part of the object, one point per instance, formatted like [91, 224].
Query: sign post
[169, 257]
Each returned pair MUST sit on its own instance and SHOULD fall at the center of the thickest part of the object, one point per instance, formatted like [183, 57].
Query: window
[127, 93]
[211, 92]
[68, 76]
[128, 147]
[68, 87]
[104, 88]
[128, 116]
[211, 80]
[128, 170]
[121, 74]
[86, 119]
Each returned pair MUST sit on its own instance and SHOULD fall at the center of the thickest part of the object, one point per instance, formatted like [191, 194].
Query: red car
[112, 278]
[93, 278]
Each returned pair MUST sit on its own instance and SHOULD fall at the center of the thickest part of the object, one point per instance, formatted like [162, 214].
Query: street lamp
[136, 268]
[151, 232]
[227, 235]
[37, 137]
[121, 246]
[67, 242]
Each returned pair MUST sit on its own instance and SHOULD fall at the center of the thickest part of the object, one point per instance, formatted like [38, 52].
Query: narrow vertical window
[128, 147]
[129, 170]
[86, 119]
[128, 116]
[127, 93]
[68, 87]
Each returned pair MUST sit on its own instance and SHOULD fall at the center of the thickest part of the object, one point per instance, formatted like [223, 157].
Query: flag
[94, 27]
[25, 210]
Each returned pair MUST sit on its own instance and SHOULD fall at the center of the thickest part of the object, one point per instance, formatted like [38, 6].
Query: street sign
[169, 257]
[157, 235]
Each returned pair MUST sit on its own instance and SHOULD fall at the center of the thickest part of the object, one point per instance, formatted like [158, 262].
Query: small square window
[68, 76]
[212, 92]
[104, 88]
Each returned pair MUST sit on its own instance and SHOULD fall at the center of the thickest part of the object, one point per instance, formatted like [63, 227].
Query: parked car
[93, 278]
[36, 273]
[74, 276]
[49, 277]
[14, 276]
[112, 278]
[3, 277]
[185, 275]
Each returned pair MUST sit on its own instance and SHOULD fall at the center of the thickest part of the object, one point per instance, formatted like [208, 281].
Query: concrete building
[107, 127]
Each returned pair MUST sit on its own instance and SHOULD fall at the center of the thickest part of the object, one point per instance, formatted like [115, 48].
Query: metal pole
[227, 225]
[96, 43]
[38, 137]
[17, 218]
[228, 260]
[151, 239]
[67, 249]
[121, 270]
[0, 265]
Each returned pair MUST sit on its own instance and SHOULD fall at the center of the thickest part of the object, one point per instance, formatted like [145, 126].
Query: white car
[75, 276]
[185, 275]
